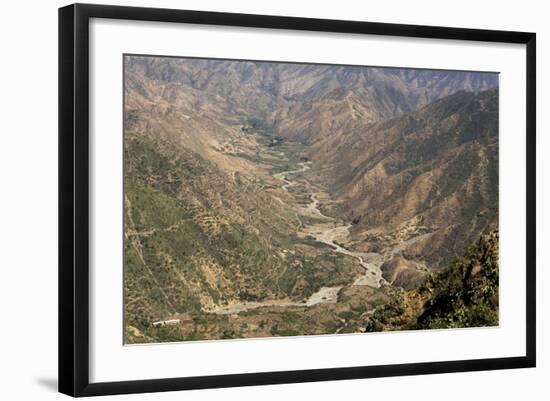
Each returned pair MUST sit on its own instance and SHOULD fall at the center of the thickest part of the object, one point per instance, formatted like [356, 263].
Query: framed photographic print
[249, 199]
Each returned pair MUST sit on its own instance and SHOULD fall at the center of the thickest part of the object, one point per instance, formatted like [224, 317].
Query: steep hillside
[463, 294]
[432, 172]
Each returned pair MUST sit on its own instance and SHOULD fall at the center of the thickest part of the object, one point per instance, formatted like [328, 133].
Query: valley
[326, 232]
[266, 199]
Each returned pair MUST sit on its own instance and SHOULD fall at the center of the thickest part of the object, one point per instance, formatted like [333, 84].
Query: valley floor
[344, 308]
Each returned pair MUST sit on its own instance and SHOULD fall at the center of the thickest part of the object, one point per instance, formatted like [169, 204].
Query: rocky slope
[433, 172]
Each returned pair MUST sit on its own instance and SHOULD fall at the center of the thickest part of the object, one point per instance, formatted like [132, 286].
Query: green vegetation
[193, 237]
[465, 294]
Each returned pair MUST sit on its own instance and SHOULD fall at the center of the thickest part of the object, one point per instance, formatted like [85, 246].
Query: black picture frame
[74, 198]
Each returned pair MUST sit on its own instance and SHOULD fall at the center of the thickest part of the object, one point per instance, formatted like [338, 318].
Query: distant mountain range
[253, 86]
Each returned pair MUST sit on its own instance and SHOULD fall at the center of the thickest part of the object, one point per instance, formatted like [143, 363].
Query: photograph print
[268, 199]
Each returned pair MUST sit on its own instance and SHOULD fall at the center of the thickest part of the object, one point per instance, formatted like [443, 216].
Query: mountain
[254, 88]
[282, 199]
[433, 172]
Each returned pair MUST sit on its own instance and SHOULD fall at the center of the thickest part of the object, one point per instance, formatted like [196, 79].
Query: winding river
[328, 233]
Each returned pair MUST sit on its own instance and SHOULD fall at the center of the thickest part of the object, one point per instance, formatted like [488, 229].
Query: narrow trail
[148, 233]
[139, 250]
